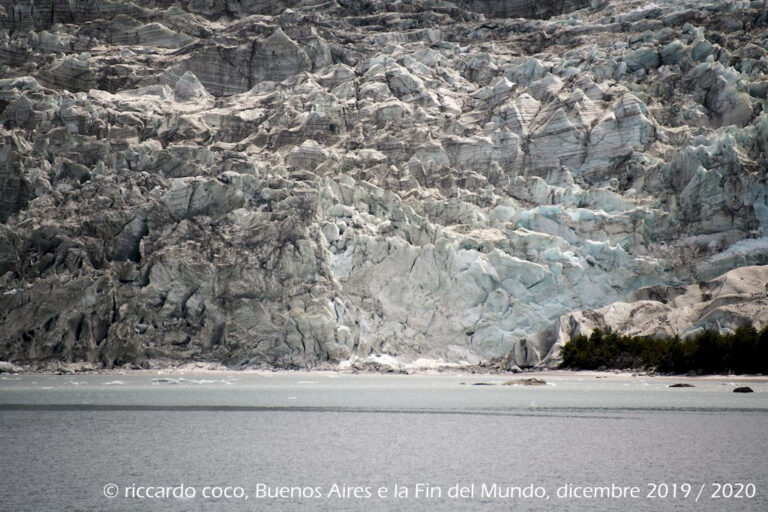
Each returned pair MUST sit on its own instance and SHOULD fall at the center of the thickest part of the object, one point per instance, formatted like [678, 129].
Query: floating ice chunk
[168, 380]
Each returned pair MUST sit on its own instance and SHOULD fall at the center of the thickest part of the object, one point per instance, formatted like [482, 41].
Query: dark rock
[526, 382]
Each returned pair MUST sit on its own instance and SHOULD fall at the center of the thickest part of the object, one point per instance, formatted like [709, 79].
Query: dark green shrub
[744, 351]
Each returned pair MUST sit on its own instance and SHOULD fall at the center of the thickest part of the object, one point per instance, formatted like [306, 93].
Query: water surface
[64, 438]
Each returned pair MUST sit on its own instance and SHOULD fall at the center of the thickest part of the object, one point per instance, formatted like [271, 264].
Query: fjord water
[64, 438]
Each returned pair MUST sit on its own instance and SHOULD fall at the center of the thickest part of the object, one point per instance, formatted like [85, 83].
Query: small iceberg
[210, 381]
[168, 380]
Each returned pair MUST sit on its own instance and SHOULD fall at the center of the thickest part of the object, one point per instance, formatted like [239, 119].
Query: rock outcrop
[736, 299]
[300, 183]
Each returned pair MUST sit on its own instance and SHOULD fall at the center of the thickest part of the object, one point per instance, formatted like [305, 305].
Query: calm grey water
[63, 439]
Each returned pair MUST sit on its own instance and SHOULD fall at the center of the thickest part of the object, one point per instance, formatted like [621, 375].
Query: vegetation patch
[743, 351]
